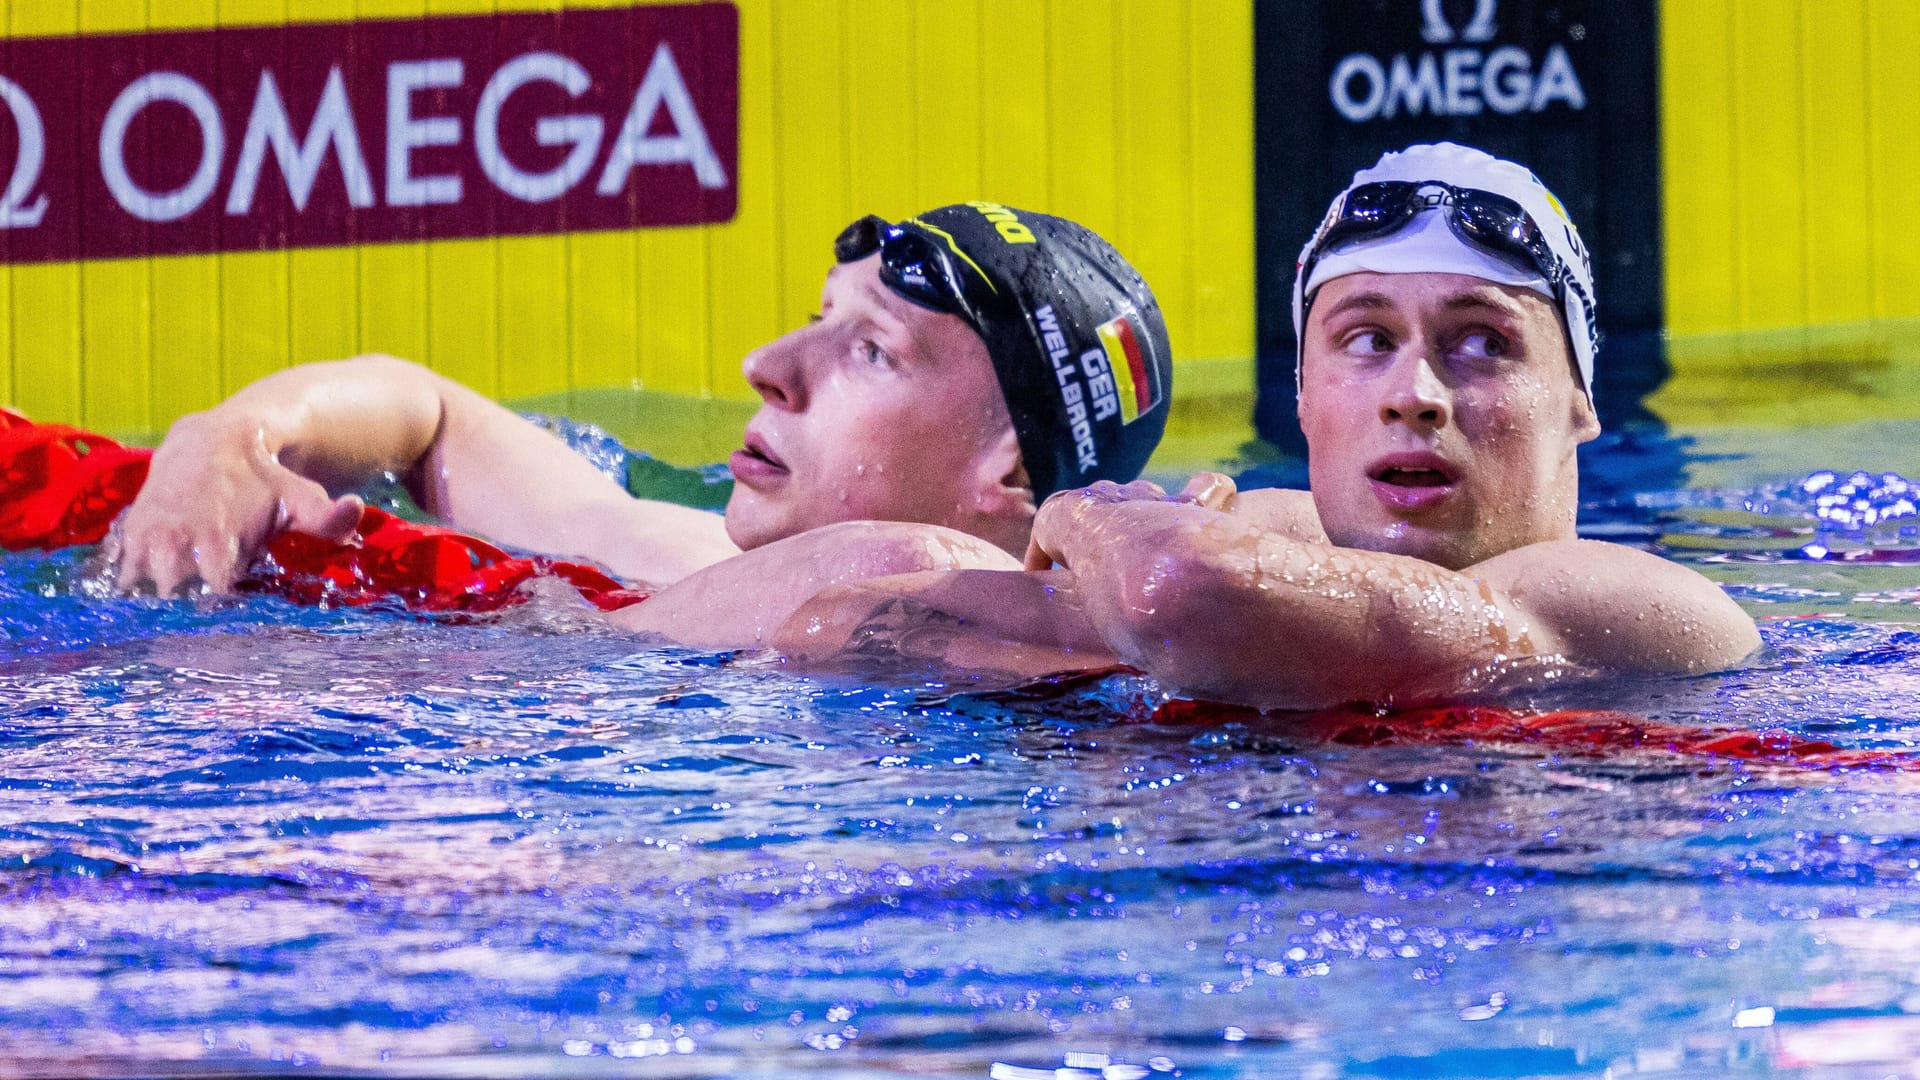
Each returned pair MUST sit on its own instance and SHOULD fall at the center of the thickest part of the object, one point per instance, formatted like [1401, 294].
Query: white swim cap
[1429, 243]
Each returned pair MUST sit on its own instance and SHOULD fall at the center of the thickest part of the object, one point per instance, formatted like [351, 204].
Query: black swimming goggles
[915, 266]
[1493, 222]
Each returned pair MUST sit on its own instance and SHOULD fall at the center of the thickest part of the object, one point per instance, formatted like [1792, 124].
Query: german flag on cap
[1136, 379]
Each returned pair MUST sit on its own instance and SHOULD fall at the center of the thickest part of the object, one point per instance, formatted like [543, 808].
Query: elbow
[1171, 599]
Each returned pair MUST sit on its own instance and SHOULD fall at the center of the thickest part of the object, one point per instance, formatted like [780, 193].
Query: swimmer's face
[1442, 413]
[877, 409]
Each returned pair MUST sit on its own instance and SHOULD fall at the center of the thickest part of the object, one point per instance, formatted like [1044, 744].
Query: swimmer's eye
[1369, 341]
[872, 353]
[815, 317]
[1481, 345]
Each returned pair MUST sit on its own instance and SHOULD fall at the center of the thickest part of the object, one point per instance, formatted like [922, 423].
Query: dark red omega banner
[251, 138]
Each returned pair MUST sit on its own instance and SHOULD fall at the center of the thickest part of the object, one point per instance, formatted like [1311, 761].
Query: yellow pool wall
[1790, 135]
[1791, 143]
[1135, 118]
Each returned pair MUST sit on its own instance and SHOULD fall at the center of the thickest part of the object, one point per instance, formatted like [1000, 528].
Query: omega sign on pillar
[1469, 74]
[321, 134]
[1568, 87]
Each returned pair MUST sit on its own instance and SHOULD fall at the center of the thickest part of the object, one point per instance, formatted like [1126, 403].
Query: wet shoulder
[1619, 607]
[1287, 511]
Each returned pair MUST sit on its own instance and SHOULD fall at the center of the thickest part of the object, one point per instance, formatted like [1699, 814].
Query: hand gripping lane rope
[61, 486]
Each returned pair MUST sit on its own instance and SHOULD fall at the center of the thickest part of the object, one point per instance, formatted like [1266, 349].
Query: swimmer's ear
[1005, 490]
[1586, 423]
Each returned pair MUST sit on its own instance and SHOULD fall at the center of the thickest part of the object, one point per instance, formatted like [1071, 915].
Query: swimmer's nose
[1416, 396]
[774, 370]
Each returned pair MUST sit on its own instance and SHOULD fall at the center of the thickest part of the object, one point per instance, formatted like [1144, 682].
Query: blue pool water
[248, 838]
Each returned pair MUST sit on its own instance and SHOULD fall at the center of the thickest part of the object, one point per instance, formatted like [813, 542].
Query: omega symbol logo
[1436, 30]
[1461, 72]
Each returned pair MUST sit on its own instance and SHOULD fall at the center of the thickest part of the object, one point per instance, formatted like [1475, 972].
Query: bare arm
[1225, 608]
[270, 458]
[744, 601]
[1013, 623]
[971, 615]
[1617, 608]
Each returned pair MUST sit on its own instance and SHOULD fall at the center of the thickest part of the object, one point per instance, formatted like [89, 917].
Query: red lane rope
[1584, 733]
[61, 486]
[1567, 732]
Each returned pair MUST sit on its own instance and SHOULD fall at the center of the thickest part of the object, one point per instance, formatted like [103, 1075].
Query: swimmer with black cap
[1076, 338]
[1444, 309]
[963, 364]
[1060, 324]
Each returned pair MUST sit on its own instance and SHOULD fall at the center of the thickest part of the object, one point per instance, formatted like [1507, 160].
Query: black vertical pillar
[1568, 88]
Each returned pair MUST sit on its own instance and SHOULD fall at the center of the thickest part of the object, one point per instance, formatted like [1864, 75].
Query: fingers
[328, 519]
[167, 554]
[166, 567]
[1064, 516]
[175, 543]
[1213, 490]
[112, 544]
[217, 563]
[1081, 519]
[173, 564]
[1037, 558]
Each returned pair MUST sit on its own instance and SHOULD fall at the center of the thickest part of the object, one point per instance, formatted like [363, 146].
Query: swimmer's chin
[750, 522]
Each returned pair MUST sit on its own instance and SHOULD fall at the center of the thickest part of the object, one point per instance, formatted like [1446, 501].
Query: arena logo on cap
[1005, 222]
[1460, 81]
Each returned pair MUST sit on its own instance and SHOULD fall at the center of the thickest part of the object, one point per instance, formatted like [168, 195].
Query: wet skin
[874, 410]
[877, 409]
[1443, 415]
[1436, 551]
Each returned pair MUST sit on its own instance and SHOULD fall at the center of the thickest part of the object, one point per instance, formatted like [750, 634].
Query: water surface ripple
[248, 838]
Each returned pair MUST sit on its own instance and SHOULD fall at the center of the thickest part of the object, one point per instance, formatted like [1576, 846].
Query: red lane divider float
[1583, 733]
[61, 486]
[1567, 732]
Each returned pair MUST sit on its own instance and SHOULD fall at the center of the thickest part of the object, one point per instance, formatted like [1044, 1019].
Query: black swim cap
[1075, 334]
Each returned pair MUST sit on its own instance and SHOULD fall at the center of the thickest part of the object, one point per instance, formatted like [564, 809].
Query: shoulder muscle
[1616, 607]
[1281, 510]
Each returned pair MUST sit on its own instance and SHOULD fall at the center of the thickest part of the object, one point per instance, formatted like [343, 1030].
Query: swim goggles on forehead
[1494, 222]
[912, 265]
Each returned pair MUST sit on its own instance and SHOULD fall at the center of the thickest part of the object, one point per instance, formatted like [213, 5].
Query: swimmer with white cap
[1444, 309]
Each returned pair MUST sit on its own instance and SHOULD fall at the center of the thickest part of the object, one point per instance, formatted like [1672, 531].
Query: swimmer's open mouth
[755, 461]
[1413, 471]
[1411, 477]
